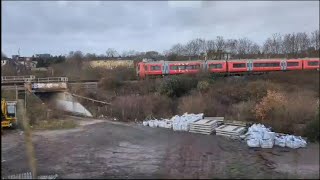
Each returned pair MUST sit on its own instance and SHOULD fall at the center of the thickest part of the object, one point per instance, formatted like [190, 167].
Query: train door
[283, 65]
[165, 68]
[205, 66]
[249, 65]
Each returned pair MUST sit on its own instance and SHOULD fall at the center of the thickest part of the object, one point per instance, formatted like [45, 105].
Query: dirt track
[115, 150]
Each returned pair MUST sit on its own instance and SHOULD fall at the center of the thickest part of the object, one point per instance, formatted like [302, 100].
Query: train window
[155, 68]
[190, 67]
[313, 63]
[292, 64]
[239, 65]
[146, 68]
[215, 66]
[182, 67]
[174, 67]
[266, 64]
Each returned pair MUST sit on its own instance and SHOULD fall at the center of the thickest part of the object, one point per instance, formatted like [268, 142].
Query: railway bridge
[50, 89]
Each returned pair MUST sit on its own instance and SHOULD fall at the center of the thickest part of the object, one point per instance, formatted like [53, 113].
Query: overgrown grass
[36, 109]
[54, 124]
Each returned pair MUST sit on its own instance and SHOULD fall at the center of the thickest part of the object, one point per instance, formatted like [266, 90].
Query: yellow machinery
[8, 113]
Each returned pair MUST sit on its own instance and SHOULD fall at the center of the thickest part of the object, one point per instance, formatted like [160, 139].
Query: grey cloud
[59, 27]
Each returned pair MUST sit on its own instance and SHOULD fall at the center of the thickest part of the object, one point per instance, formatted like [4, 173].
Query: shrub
[203, 86]
[110, 83]
[114, 78]
[131, 107]
[243, 111]
[192, 104]
[202, 103]
[258, 89]
[142, 87]
[90, 73]
[272, 101]
[284, 111]
[36, 109]
[177, 86]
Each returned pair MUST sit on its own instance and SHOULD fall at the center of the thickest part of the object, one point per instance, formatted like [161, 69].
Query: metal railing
[16, 79]
[51, 79]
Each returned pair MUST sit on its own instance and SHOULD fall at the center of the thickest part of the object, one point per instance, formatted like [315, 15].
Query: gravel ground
[106, 149]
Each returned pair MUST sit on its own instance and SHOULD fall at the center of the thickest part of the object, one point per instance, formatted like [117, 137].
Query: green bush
[177, 86]
[203, 86]
[110, 83]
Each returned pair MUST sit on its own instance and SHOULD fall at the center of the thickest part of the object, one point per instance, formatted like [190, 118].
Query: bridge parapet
[51, 79]
[16, 79]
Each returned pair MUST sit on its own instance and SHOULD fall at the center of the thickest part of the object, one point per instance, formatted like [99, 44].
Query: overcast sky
[58, 27]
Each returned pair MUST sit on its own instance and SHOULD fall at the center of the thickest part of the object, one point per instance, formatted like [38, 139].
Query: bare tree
[272, 47]
[303, 42]
[267, 47]
[191, 48]
[315, 39]
[255, 49]
[111, 52]
[276, 44]
[287, 45]
[196, 47]
[202, 46]
[90, 56]
[231, 46]
[210, 45]
[220, 43]
[178, 49]
[152, 54]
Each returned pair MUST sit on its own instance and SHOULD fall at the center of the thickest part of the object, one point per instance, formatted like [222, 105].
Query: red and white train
[162, 68]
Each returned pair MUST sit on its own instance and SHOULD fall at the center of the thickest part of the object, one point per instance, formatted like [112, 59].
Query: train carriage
[214, 66]
[236, 66]
[293, 64]
[265, 65]
[184, 67]
[311, 64]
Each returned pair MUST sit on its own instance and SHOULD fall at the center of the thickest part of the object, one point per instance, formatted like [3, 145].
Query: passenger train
[162, 68]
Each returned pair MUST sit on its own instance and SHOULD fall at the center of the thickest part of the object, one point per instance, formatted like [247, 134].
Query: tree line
[291, 45]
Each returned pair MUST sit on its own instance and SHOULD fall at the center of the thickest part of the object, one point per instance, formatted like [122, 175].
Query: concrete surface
[107, 149]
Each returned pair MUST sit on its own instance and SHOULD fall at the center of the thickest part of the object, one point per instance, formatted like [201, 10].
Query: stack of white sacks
[260, 136]
[177, 123]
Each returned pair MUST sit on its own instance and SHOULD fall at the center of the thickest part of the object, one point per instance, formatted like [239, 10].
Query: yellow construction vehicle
[8, 114]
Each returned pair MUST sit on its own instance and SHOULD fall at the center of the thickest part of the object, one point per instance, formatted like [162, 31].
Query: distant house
[26, 61]
[15, 57]
[43, 55]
